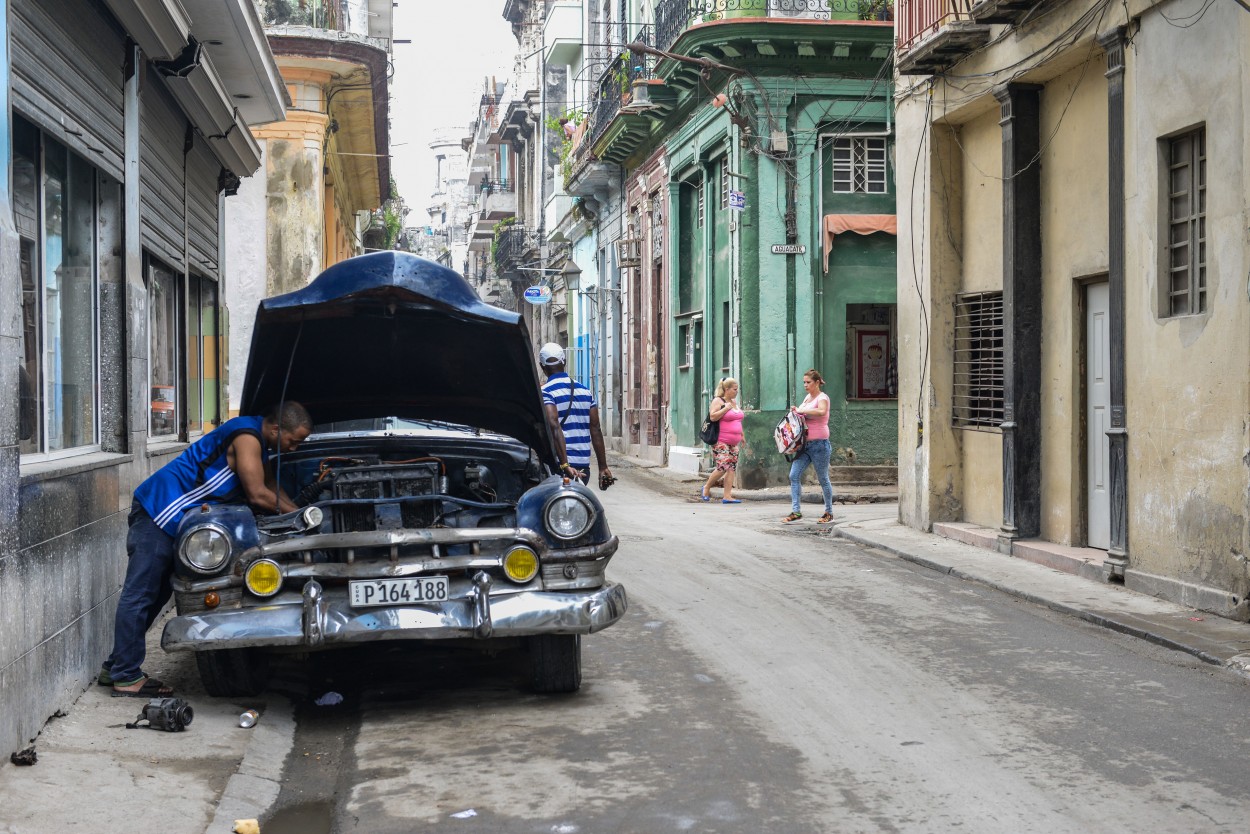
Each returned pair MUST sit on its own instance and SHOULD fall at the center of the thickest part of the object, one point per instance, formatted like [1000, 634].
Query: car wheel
[230, 673]
[556, 662]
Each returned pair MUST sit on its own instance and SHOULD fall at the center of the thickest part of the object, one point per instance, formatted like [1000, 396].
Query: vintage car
[430, 505]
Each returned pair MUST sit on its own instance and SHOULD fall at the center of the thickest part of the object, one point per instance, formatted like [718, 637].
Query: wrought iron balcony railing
[511, 245]
[498, 185]
[615, 85]
[672, 17]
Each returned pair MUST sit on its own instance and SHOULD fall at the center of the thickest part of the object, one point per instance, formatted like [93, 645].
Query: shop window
[1186, 211]
[163, 341]
[56, 195]
[978, 388]
[871, 353]
[203, 356]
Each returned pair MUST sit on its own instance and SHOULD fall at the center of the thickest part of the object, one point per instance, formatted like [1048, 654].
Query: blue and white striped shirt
[573, 402]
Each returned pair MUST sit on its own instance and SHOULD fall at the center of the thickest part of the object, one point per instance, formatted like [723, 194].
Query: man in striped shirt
[572, 417]
[228, 465]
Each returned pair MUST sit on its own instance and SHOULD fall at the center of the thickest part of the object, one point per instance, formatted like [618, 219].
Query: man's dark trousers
[144, 594]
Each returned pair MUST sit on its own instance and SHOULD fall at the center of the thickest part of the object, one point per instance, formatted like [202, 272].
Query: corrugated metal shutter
[162, 133]
[68, 63]
[202, 170]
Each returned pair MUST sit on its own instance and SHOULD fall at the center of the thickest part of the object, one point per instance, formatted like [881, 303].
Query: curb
[253, 788]
[1239, 665]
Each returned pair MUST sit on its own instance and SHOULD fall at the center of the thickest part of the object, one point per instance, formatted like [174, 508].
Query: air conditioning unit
[629, 252]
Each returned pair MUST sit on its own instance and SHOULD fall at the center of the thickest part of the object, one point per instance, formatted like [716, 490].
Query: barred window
[978, 396]
[699, 186]
[859, 165]
[1186, 251]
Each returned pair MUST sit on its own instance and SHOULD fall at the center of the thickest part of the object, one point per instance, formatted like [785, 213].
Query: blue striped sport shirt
[573, 402]
[200, 475]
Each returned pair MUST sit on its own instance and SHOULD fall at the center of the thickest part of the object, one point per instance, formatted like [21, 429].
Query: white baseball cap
[551, 354]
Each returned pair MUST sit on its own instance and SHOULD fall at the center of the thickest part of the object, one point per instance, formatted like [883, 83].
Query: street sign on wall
[789, 249]
[737, 200]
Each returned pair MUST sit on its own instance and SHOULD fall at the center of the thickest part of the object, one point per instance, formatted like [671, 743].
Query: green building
[777, 134]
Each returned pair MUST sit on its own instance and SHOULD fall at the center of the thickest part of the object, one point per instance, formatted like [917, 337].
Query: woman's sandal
[827, 518]
[791, 517]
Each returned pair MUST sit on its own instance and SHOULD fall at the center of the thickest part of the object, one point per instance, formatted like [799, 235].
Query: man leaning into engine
[231, 464]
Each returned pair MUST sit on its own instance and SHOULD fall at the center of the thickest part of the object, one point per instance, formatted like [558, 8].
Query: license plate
[397, 591]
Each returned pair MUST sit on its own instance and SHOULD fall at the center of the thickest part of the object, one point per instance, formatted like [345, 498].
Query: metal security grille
[1187, 224]
[978, 396]
[859, 165]
[724, 182]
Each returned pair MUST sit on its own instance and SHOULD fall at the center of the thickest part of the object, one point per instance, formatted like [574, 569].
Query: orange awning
[860, 224]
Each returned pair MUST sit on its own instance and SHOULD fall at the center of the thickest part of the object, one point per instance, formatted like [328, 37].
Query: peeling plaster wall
[1187, 384]
[296, 215]
[244, 268]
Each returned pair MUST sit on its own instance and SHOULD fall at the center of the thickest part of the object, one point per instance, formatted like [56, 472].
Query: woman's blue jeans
[815, 453]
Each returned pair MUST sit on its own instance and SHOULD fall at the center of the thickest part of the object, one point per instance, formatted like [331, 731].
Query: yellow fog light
[521, 564]
[263, 578]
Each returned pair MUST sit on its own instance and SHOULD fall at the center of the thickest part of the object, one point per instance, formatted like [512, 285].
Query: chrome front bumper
[319, 620]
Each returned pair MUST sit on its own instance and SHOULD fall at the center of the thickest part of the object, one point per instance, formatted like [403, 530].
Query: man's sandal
[791, 517]
[827, 518]
[152, 688]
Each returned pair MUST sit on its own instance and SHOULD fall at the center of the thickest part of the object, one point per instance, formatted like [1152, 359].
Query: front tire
[556, 662]
[232, 673]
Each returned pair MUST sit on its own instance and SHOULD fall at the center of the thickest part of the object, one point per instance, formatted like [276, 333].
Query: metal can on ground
[248, 719]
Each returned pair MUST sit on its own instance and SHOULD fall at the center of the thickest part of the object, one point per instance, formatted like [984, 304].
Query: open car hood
[391, 334]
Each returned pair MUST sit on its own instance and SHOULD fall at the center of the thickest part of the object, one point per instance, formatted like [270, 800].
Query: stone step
[863, 474]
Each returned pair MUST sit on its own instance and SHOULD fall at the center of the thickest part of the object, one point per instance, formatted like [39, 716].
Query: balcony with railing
[497, 199]
[514, 247]
[620, 103]
[370, 20]
[933, 35]
[674, 17]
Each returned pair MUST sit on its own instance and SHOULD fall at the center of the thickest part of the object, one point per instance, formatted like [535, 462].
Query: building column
[1117, 556]
[1022, 312]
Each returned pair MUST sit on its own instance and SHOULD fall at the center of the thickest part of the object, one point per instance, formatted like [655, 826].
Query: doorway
[1097, 415]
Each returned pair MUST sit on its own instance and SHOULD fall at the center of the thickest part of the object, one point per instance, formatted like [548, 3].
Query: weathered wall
[1187, 376]
[295, 194]
[243, 266]
[1074, 246]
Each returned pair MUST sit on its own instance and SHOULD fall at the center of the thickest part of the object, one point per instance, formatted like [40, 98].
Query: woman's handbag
[709, 432]
[790, 434]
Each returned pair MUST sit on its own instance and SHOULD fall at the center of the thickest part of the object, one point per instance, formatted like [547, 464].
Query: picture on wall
[871, 363]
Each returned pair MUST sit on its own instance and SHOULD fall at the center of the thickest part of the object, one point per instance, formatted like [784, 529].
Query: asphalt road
[768, 679]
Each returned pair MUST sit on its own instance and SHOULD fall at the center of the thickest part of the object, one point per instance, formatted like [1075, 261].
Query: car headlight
[568, 516]
[205, 549]
[520, 564]
[263, 578]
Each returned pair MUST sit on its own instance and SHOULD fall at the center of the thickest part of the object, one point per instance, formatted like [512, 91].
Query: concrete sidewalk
[869, 517]
[94, 774]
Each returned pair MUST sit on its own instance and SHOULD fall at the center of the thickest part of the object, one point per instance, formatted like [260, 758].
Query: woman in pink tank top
[816, 450]
[725, 412]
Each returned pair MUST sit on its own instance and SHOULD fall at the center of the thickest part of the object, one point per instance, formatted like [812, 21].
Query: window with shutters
[858, 164]
[1184, 283]
[978, 367]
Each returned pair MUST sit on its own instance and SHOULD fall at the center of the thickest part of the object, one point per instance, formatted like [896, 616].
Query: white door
[1097, 415]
